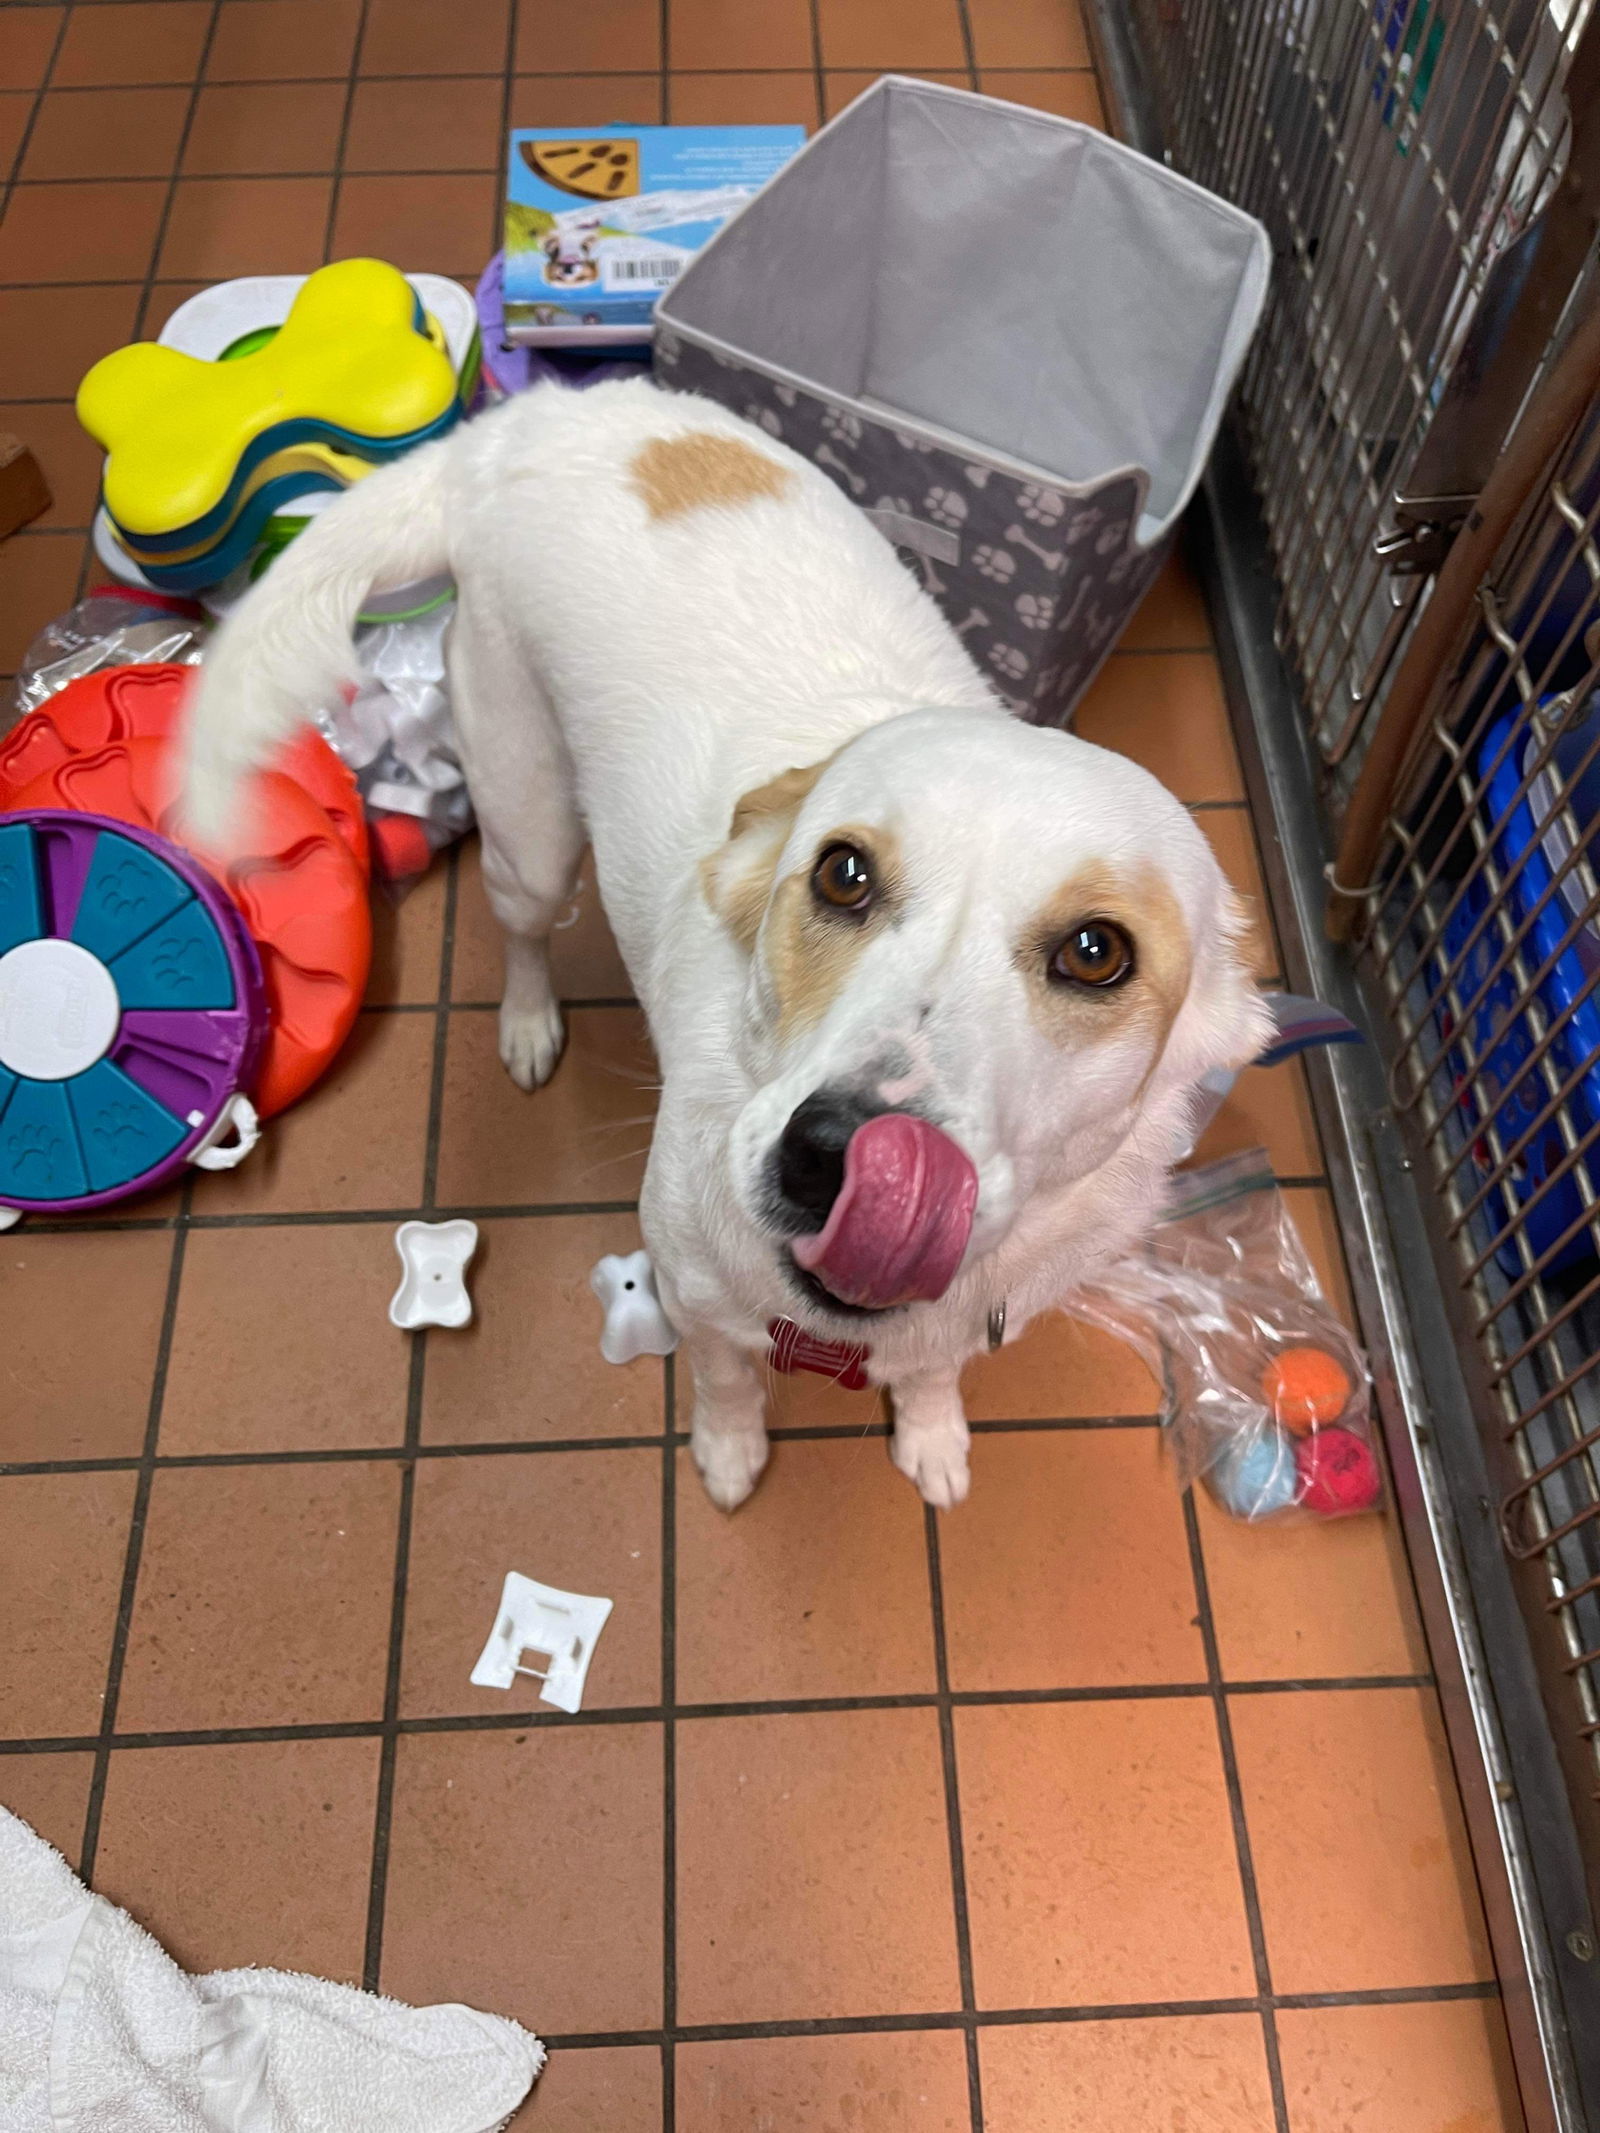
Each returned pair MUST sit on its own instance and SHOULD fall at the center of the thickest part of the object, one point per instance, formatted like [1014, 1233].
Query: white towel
[101, 2032]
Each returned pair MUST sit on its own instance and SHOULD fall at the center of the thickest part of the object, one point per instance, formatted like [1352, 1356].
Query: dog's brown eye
[1095, 953]
[843, 878]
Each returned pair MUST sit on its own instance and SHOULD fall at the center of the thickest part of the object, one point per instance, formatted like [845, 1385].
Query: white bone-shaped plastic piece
[433, 1289]
[564, 1626]
[635, 1322]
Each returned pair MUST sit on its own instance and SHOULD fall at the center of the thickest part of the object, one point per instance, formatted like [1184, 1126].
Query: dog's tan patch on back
[1140, 901]
[701, 469]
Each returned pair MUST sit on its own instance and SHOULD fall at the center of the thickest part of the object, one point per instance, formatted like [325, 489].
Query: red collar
[793, 1350]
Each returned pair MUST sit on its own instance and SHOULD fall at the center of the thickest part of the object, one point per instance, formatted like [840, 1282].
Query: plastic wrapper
[394, 730]
[1299, 1025]
[113, 627]
[1268, 1399]
[396, 733]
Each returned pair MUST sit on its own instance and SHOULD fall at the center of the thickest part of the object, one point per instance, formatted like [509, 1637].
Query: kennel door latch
[1424, 527]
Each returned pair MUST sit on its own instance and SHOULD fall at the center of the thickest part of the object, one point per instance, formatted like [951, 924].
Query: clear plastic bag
[118, 627]
[1268, 1397]
[396, 733]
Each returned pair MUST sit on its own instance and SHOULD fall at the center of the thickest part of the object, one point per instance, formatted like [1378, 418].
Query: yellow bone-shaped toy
[347, 363]
[341, 470]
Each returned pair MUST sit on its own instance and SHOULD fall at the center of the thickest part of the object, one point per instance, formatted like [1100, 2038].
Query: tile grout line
[512, 1447]
[388, 1734]
[186, 281]
[323, 81]
[42, 89]
[91, 564]
[658, 1714]
[507, 95]
[489, 1007]
[478, 1211]
[335, 1217]
[664, 91]
[352, 82]
[967, 45]
[180, 149]
[669, 1748]
[134, 1550]
[252, 177]
[952, 1804]
[1236, 1810]
[536, 1447]
[1012, 2017]
[819, 81]
[388, 1753]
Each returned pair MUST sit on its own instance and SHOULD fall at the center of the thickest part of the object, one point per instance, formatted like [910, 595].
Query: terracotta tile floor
[1083, 1807]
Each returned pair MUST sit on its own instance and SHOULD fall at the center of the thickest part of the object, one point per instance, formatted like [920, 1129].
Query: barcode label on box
[653, 273]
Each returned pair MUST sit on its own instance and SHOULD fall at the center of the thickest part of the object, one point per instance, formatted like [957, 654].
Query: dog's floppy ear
[737, 880]
[1223, 1023]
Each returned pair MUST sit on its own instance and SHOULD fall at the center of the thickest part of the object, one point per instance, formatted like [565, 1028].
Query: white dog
[930, 988]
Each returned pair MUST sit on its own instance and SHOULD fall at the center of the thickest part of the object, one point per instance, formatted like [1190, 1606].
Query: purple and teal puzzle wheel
[132, 1012]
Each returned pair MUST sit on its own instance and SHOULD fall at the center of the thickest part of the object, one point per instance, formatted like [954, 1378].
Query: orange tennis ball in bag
[1305, 1388]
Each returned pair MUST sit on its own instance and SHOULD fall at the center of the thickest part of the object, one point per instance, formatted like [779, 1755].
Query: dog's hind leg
[520, 778]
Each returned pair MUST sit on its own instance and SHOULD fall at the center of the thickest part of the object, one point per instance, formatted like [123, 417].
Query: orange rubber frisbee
[146, 703]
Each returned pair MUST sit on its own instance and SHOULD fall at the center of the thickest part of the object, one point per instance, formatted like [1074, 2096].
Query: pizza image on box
[594, 170]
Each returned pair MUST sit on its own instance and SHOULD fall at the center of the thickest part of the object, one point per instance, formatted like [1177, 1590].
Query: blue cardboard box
[599, 224]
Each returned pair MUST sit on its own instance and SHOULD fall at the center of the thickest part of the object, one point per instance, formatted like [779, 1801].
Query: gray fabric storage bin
[1009, 338]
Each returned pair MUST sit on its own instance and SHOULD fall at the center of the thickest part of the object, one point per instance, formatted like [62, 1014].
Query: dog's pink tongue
[900, 1224]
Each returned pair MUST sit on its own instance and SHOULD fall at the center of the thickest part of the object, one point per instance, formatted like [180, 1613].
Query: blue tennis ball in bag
[1256, 1477]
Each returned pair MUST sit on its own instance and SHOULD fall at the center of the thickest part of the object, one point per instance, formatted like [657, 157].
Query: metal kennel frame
[1400, 535]
[1397, 151]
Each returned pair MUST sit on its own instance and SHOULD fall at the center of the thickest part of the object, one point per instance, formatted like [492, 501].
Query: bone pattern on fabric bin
[1041, 583]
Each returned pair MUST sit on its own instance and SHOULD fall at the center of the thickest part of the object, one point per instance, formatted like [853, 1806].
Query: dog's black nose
[811, 1149]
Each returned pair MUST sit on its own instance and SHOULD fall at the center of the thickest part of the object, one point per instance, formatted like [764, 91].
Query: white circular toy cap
[58, 1010]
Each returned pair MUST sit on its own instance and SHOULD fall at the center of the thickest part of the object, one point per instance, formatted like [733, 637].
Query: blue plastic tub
[1526, 856]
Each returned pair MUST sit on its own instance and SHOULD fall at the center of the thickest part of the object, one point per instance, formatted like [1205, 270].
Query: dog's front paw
[730, 1462]
[935, 1460]
[531, 1041]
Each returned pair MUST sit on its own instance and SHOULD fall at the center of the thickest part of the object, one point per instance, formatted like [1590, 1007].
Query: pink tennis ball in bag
[1338, 1472]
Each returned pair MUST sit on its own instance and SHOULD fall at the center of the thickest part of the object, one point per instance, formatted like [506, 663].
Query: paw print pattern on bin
[1074, 555]
[1043, 505]
[994, 563]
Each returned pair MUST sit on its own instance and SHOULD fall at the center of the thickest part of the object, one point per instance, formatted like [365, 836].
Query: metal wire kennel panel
[1395, 150]
[1485, 945]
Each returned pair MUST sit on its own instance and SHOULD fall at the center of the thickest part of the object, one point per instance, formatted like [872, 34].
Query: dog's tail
[287, 649]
